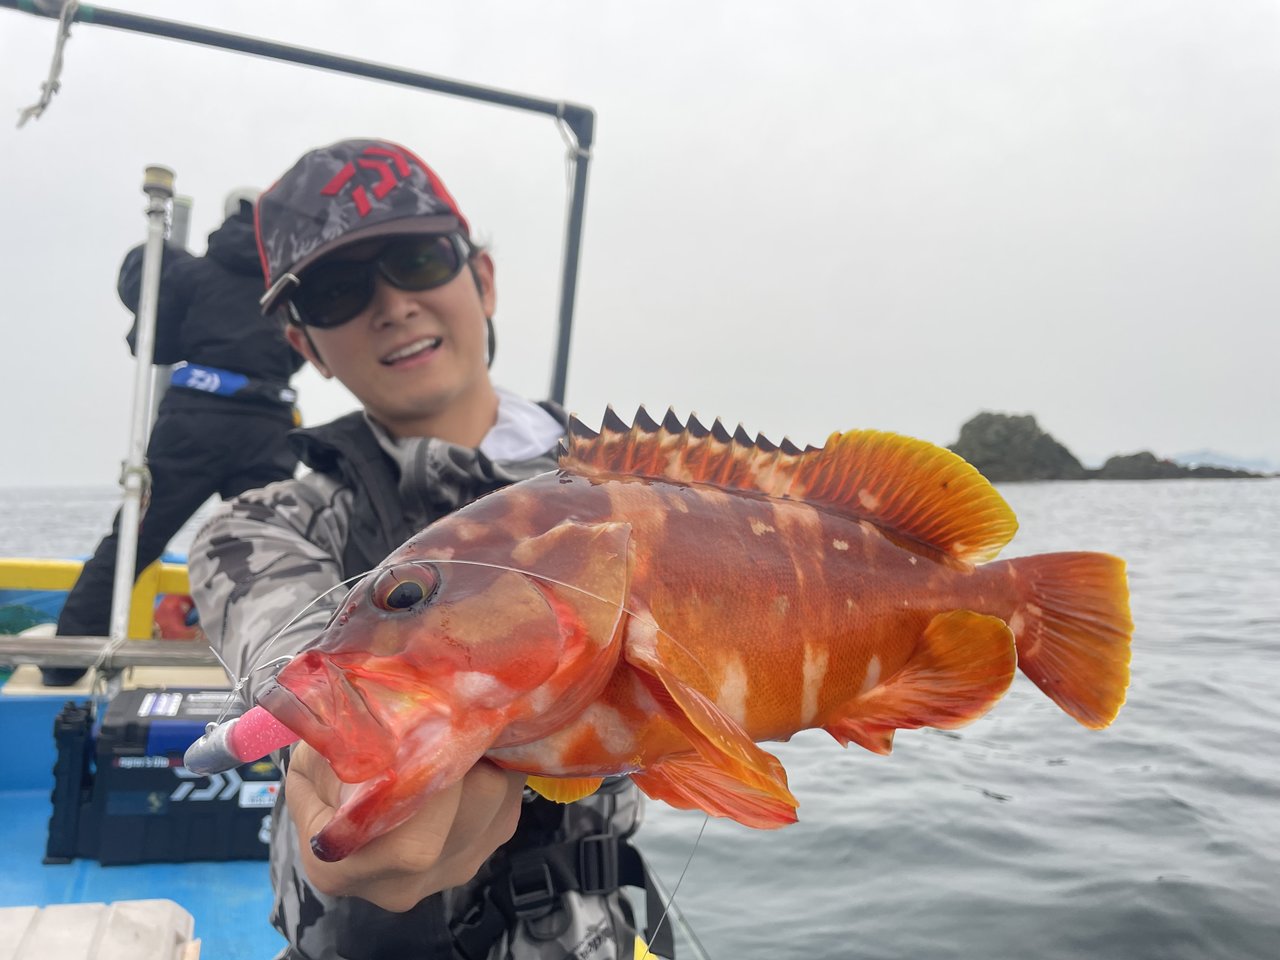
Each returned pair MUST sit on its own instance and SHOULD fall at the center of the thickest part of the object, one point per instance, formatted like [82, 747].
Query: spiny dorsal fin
[904, 485]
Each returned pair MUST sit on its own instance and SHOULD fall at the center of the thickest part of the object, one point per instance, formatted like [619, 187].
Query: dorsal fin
[907, 486]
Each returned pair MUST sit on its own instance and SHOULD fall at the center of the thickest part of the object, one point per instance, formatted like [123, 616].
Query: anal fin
[963, 664]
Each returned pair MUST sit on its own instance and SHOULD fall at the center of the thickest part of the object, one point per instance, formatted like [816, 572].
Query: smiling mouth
[412, 350]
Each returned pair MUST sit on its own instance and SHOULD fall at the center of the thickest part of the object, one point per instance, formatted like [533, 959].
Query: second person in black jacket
[221, 427]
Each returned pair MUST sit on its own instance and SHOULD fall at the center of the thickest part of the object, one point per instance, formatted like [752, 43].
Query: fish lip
[359, 724]
[428, 737]
[431, 341]
[279, 701]
[354, 713]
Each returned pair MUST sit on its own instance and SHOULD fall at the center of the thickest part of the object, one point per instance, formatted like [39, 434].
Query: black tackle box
[122, 795]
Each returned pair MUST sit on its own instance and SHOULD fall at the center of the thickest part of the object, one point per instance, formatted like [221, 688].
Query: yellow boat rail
[27, 573]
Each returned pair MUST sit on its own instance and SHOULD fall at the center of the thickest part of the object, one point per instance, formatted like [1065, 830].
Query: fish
[672, 596]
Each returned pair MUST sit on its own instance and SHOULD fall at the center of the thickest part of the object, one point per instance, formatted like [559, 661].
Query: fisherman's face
[410, 356]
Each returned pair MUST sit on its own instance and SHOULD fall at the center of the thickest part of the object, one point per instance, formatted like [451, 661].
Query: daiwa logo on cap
[346, 192]
[370, 160]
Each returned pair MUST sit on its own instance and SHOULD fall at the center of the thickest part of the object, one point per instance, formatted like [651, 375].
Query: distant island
[1005, 447]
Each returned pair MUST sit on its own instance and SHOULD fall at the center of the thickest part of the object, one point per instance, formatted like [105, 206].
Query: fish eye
[404, 586]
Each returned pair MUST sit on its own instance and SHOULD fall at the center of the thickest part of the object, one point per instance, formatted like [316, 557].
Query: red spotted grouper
[672, 596]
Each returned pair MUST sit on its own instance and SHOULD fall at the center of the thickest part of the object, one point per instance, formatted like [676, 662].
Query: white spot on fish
[732, 698]
[542, 699]
[848, 603]
[913, 560]
[466, 531]
[609, 726]
[868, 499]
[871, 679]
[815, 671]
[1021, 620]
[840, 544]
[781, 604]
[482, 689]
[759, 527]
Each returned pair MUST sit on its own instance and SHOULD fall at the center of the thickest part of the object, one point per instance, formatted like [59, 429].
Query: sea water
[1025, 835]
[1022, 835]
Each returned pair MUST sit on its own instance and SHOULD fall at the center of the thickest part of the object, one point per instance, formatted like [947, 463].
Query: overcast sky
[802, 216]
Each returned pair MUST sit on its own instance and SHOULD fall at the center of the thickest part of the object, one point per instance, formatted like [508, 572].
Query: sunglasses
[333, 292]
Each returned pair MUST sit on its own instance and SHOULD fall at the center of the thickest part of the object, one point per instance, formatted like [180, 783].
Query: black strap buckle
[532, 890]
[598, 863]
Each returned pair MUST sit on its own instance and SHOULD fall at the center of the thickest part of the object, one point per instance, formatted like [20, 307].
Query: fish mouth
[433, 755]
[425, 744]
[411, 350]
[333, 718]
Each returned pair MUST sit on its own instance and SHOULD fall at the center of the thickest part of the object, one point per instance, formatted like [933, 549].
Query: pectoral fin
[688, 782]
[963, 664]
[721, 743]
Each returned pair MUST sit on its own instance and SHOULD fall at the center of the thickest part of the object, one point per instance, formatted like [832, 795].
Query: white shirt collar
[522, 430]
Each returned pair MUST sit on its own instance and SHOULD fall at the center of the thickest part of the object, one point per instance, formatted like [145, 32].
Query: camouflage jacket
[265, 575]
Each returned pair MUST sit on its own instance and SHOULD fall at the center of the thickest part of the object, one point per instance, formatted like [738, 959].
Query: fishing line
[569, 586]
[238, 688]
[671, 900]
[669, 907]
[101, 687]
[258, 665]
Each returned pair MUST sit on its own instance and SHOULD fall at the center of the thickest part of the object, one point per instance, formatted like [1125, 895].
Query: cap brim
[401, 226]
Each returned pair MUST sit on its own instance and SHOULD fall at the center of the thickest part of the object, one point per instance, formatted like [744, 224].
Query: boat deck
[229, 901]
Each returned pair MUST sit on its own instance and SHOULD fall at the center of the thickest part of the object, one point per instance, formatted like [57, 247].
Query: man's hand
[442, 845]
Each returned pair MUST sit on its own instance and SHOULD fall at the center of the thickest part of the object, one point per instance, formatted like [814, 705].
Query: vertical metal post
[157, 184]
[180, 221]
[581, 122]
[179, 232]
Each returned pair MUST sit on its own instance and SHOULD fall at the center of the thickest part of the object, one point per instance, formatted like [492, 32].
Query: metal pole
[180, 222]
[580, 119]
[256, 46]
[157, 184]
[98, 651]
[179, 232]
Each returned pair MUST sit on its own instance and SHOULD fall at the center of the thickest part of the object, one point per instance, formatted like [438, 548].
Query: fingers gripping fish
[672, 596]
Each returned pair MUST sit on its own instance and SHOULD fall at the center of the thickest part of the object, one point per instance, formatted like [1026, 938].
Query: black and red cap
[346, 192]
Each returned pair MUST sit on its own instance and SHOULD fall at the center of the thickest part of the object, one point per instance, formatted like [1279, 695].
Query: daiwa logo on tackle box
[122, 794]
[227, 785]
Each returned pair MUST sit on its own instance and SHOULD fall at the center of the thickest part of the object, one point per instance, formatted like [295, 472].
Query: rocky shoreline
[1006, 447]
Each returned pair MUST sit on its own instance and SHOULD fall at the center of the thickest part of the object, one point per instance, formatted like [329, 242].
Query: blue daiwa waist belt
[228, 383]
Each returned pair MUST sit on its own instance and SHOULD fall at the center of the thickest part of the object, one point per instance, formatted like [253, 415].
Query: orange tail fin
[1072, 629]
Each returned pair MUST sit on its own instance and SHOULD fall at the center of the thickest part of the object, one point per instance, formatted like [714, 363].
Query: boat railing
[165, 214]
[159, 579]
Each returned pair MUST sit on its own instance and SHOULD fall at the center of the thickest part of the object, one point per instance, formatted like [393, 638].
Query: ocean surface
[1023, 835]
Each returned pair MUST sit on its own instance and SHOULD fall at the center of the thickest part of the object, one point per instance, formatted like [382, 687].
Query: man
[372, 262]
[222, 427]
